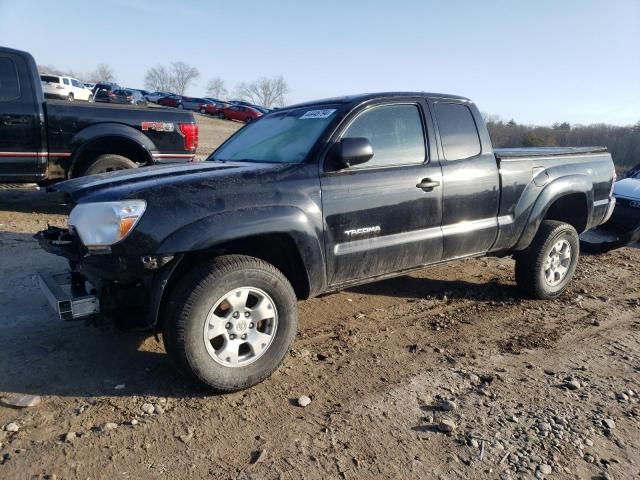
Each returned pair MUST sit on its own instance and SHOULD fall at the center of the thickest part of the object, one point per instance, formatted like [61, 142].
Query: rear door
[377, 217]
[21, 129]
[471, 194]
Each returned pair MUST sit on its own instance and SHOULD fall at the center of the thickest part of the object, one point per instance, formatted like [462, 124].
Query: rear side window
[458, 131]
[395, 132]
[76, 83]
[65, 81]
[50, 78]
[9, 85]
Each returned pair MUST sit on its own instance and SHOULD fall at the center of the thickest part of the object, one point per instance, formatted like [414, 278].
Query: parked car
[314, 198]
[104, 92]
[241, 102]
[240, 113]
[65, 88]
[170, 101]
[624, 226]
[214, 108]
[49, 141]
[128, 96]
[155, 96]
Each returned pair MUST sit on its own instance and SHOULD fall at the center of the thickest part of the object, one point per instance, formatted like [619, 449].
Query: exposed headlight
[105, 223]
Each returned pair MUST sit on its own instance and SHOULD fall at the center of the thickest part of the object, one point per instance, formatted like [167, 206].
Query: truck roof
[363, 97]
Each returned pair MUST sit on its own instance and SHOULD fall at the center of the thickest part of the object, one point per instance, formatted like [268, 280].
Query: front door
[384, 215]
[21, 148]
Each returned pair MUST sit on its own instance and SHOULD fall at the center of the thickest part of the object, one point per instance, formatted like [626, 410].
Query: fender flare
[555, 190]
[220, 228]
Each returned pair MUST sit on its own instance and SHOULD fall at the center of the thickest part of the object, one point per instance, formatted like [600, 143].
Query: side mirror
[354, 151]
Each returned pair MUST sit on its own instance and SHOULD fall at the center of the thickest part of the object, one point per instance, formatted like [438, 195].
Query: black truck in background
[312, 198]
[54, 140]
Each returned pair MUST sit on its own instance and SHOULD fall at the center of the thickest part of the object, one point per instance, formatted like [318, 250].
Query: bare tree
[57, 71]
[268, 92]
[183, 74]
[216, 88]
[159, 79]
[102, 73]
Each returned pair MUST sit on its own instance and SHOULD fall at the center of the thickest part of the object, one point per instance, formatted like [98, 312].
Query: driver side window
[395, 132]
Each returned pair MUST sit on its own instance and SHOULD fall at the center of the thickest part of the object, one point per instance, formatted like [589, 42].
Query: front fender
[304, 229]
[555, 190]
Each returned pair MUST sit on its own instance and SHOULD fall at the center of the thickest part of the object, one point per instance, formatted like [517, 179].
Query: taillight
[190, 133]
[111, 94]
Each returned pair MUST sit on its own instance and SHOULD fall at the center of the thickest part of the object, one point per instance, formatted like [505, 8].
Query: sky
[536, 61]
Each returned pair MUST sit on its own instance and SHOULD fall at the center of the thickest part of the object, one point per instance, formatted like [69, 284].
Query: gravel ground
[447, 373]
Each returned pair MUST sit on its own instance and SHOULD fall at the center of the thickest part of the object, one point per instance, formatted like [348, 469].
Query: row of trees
[102, 73]
[178, 76]
[622, 142]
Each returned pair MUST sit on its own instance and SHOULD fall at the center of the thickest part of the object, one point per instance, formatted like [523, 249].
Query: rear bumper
[610, 209]
[55, 96]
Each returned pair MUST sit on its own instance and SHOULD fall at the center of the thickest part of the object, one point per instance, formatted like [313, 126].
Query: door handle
[427, 184]
[12, 120]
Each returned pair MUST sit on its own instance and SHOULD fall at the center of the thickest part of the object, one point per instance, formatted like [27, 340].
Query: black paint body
[491, 203]
[43, 141]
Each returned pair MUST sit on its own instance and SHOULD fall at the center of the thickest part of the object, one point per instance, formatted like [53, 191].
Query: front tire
[108, 163]
[70, 97]
[230, 322]
[545, 268]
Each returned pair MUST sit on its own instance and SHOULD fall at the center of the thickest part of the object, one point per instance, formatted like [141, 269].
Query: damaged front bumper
[127, 288]
[65, 300]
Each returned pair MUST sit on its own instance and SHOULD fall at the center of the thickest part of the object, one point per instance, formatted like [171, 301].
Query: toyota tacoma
[308, 199]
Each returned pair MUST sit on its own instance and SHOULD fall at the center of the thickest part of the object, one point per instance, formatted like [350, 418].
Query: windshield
[285, 136]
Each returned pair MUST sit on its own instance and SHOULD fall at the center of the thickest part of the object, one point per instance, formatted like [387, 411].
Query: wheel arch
[567, 199]
[114, 139]
[286, 241]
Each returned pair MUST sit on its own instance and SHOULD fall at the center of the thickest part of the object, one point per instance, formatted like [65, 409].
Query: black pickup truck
[312, 198]
[48, 141]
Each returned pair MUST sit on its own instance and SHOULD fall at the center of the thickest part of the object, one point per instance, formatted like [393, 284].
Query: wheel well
[571, 209]
[277, 249]
[109, 145]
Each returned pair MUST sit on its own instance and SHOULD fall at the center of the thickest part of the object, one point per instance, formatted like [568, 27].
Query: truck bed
[502, 153]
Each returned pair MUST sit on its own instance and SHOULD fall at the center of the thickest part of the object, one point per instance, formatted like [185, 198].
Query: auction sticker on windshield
[319, 113]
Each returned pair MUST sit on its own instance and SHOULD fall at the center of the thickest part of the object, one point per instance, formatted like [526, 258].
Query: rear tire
[204, 333]
[108, 163]
[545, 268]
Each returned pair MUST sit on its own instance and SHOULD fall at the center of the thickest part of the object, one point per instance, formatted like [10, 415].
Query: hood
[122, 183]
[628, 188]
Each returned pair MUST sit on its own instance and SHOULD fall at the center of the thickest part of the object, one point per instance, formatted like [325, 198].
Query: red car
[214, 108]
[171, 101]
[241, 112]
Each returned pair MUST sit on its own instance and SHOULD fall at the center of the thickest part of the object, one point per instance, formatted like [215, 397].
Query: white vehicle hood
[627, 188]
